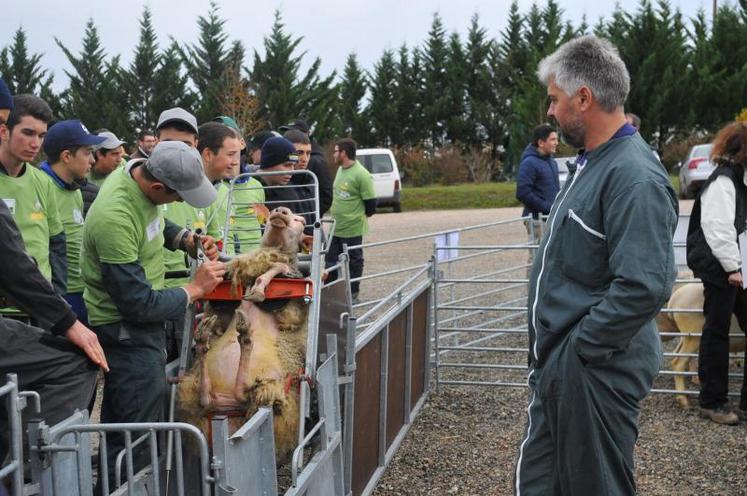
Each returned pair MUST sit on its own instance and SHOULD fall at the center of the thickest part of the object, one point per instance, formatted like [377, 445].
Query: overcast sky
[331, 29]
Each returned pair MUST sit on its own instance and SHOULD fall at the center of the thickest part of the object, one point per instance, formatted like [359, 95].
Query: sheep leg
[246, 343]
[270, 392]
[202, 345]
[680, 364]
[257, 291]
[694, 361]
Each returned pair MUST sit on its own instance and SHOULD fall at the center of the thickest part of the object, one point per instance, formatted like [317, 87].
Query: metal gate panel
[247, 456]
[396, 383]
[63, 472]
[324, 474]
[420, 345]
[366, 414]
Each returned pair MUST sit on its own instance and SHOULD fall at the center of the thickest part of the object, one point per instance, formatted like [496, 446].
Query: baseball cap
[110, 142]
[179, 167]
[6, 99]
[259, 139]
[277, 150]
[299, 124]
[228, 121]
[68, 134]
[177, 114]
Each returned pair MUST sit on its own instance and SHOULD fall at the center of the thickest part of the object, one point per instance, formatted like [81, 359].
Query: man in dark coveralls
[603, 271]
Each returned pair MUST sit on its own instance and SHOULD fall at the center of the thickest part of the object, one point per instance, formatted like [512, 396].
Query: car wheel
[397, 207]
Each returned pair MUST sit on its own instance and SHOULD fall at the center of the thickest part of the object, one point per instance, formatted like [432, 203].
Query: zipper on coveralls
[542, 265]
[572, 215]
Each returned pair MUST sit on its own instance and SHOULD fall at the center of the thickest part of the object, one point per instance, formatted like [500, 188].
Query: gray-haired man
[603, 271]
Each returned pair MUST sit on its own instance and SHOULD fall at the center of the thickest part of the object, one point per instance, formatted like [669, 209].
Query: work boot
[720, 414]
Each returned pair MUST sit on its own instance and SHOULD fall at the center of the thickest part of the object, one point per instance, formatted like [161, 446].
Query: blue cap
[68, 134]
[6, 99]
[276, 151]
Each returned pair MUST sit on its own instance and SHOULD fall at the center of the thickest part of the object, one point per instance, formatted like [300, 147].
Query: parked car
[695, 170]
[382, 165]
[563, 168]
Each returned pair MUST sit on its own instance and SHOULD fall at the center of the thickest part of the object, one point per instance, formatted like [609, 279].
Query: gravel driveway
[465, 439]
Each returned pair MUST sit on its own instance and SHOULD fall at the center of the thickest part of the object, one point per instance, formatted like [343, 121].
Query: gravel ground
[465, 439]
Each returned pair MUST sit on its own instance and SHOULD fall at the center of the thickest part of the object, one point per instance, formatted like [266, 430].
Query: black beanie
[277, 150]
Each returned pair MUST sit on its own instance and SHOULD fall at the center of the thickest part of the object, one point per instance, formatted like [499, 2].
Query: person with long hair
[718, 217]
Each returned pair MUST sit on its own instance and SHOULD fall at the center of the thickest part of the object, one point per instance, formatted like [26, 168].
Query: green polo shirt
[123, 226]
[185, 215]
[244, 225]
[70, 207]
[32, 201]
[351, 188]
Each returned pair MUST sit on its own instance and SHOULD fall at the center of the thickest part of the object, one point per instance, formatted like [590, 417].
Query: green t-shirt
[70, 206]
[32, 201]
[351, 188]
[243, 225]
[185, 215]
[123, 226]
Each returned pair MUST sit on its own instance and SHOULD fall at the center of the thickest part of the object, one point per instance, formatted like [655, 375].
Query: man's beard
[573, 133]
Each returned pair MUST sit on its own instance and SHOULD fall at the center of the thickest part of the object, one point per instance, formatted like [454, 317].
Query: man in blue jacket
[538, 182]
[603, 271]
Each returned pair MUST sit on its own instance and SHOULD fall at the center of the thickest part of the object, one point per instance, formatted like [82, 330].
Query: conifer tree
[171, 84]
[95, 95]
[477, 84]
[435, 53]
[22, 71]
[209, 61]
[284, 94]
[382, 107]
[408, 103]
[353, 89]
[140, 78]
[511, 70]
[456, 92]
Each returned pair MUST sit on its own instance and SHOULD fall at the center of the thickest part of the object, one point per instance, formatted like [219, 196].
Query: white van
[382, 165]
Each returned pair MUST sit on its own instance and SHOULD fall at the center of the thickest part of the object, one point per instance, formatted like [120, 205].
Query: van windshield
[376, 164]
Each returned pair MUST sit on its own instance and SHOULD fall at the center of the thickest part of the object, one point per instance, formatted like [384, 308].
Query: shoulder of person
[632, 163]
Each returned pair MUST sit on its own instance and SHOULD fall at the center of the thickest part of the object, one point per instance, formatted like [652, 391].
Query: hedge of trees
[464, 94]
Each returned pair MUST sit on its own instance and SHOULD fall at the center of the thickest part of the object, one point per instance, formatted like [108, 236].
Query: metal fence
[480, 335]
[15, 403]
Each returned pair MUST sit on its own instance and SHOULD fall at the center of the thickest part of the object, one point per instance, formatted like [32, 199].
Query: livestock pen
[455, 322]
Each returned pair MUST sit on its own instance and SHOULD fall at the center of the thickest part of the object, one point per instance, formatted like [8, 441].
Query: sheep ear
[306, 243]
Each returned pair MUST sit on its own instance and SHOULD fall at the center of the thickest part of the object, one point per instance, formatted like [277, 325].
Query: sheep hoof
[255, 294]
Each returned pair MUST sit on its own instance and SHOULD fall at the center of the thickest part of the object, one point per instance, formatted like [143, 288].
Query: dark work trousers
[355, 263]
[135, 387]
[75, 300]
[583, 420]
[713, 359]
[174, 330]
[52, 366]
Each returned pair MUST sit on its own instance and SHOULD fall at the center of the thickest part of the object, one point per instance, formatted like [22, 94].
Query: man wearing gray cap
[122, 266]
[107, 156]
[176, 124]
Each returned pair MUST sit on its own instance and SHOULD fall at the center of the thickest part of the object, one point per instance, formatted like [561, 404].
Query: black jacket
[89, 191]
[700, 258]
[318, 165]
